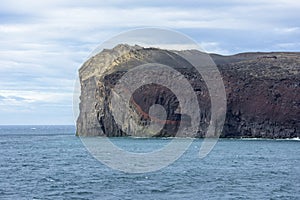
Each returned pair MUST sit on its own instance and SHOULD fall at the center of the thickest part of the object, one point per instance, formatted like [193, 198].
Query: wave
[283, 139]
[293, 139]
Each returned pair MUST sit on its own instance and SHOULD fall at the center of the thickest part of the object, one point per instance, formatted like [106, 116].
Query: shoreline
[195, 138]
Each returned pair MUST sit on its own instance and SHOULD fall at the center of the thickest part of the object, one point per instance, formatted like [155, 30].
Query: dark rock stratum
[263, 93]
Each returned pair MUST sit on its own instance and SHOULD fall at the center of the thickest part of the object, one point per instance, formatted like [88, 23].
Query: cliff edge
[263, 93]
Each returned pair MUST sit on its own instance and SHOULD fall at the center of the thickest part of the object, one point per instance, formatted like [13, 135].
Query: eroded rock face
[263, 94]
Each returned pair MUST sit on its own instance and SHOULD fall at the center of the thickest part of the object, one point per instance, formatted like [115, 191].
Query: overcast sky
[43, 43]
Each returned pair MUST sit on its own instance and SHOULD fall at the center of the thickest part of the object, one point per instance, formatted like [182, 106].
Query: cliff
[263, 93]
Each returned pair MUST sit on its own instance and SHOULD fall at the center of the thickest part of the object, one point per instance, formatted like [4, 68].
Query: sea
[50, 162]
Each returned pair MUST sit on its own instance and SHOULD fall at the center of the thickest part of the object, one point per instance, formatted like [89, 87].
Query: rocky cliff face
[263, 94]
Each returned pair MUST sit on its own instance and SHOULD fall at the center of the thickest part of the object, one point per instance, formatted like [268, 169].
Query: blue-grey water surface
[49, 162]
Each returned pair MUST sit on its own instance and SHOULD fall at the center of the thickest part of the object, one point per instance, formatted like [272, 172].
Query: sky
[43, 43]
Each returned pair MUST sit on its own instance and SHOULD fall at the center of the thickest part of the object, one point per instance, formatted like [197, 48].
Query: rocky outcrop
[263, 94]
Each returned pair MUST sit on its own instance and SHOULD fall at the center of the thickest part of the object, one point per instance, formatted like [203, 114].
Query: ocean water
[49, 162]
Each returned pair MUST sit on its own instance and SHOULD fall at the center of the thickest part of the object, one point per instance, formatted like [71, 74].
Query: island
[262, 92]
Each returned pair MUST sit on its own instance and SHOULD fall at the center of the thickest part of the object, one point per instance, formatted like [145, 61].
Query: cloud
[288, 30]
[35, 96]
[288, 46]
[43, 43]
[213, 47]
[35, 107]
